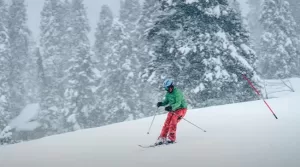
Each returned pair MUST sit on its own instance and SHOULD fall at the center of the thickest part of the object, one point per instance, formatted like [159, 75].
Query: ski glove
[159, 104]
[169, 108]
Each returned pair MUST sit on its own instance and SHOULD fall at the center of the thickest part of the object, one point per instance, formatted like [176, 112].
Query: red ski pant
[170, 125]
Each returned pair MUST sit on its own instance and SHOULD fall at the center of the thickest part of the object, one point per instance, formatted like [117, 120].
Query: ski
[148, 146]
[154, 145]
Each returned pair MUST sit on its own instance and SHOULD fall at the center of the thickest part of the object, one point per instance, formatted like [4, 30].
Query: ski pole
[190, 122]
[259, 95]
[152, 121]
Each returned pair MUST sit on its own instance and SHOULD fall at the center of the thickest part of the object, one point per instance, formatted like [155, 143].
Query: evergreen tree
[149, 15]
[279, 43]
[30, 74]
[129, 13]
[103, 29]
[41, 81]
[4, 66]
[114, 105]
[66, 36]
[120, 83]
[44, 118]
[18, 33]
[205, 48]
[295, 8]
[239, 34]
[237, 7]
[130, 61]
[102, 48]
[6, 136]
[254, 25]
[81, 78]
[53, 30]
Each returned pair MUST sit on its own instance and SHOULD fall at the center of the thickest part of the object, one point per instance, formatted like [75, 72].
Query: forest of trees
[205, 46]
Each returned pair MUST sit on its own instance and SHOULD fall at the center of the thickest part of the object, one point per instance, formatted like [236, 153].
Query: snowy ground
[238, 135]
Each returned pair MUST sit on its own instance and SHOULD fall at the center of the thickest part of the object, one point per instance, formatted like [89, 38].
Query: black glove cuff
[169, 108]
[159, 104]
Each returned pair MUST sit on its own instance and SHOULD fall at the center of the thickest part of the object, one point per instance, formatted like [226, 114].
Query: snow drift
[26, 121]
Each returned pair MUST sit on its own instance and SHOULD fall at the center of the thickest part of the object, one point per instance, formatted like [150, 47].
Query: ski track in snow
[238, 135]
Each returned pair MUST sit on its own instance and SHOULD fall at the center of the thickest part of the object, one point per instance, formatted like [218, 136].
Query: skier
[177, 108]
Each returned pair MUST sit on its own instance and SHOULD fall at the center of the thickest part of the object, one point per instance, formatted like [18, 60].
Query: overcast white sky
[93, 10]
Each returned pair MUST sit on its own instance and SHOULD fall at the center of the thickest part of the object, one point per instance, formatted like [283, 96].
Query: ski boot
[168, 141]
[160, 141]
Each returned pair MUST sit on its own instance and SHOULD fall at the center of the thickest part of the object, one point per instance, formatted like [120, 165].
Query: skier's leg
[181, 114]
[165, 129]
[173, 124]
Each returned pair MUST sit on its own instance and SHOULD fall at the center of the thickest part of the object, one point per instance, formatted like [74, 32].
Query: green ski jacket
[175, 99]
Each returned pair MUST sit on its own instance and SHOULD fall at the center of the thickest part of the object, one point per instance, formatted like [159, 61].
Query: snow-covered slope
[238, 135]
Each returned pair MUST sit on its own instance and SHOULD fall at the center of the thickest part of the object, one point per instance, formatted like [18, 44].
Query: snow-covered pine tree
[129, 61]
[50, 123]
[239, 33]
[114, 105]
[120, 82]
[204, 47]
[102, 49]
[137, 21]
[6, 135]
[80, 101]
[130, 11]
[66, 37]
[279, 45]
[103, 28]
[252, 18]
[237, 7]
[295, 7]
[4, 66]
[53, 30]
[30, 74]
[149, 15]
[41, 81]
[18, 33]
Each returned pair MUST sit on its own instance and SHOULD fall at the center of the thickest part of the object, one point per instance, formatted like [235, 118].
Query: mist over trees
[205, 46]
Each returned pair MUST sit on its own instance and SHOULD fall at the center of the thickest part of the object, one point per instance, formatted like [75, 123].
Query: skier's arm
[165, 101]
